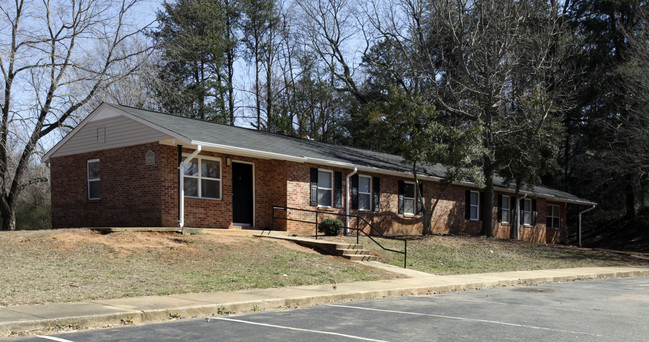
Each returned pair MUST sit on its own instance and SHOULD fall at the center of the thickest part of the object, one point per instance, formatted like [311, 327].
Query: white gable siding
[117, 131]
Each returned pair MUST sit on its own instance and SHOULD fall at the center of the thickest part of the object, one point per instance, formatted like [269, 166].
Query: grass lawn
[468, 254]
[74, 265]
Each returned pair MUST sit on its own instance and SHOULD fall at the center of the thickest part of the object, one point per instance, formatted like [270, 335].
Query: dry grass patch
[74, 265]
[470, 254]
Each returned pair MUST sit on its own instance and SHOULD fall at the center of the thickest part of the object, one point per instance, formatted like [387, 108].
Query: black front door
[242, 198]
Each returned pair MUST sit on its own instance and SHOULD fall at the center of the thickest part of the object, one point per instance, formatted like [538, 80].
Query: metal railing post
[358, 233]
[405, 253]
[371, 229]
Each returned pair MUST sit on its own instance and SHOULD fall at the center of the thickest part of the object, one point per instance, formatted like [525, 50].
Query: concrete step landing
[346, 250]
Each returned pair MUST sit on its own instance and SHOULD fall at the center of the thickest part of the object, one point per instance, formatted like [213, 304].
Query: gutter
[181, 186]
[347, 200]
[582, 212]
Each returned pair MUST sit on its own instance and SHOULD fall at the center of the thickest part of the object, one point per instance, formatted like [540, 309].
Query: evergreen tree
[196, 40]
[600, 127]
[424, 137]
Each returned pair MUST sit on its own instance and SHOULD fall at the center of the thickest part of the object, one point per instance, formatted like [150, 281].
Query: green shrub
[331, 227]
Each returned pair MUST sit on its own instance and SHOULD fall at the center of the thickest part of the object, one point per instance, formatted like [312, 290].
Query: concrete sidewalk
[114, 312]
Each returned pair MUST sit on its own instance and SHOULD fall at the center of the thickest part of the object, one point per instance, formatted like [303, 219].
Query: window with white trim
[474, 205]
[505, 209]
[325, 188]
[409, 202]
[527, 211]
[202, 178]
[364, 192]
[553, 218]
[94, 188]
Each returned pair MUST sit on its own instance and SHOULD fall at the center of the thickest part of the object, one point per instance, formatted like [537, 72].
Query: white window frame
[523, 211]
[550, 215]
[414, 198]
[331, 190]
[93, 179]
[476, 205]
[506, 218]
[200, 177]
[368, 194]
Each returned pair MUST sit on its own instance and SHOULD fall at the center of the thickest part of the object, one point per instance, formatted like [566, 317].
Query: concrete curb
[124, 312]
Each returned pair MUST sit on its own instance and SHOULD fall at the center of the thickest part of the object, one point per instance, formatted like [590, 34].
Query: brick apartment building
[127, 167]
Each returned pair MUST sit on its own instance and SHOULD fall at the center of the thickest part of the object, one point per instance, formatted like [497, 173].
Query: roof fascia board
[246, 152]
[575, 201]
[547, 197]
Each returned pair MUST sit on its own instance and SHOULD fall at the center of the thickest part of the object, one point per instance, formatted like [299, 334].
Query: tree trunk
[629, 194]
[487, 207]
[231, 87]
[8, 213]
[271, 122]
[230, 66]
[566, 154]
[514, 225]
[429, 219]
[419, 196]
[257, 95]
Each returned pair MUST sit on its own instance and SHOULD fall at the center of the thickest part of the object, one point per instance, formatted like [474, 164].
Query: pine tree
[196, 41]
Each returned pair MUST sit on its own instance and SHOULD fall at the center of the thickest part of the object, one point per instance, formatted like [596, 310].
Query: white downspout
[587, 210]
[181, 186]
[518, 216]
[347, 199]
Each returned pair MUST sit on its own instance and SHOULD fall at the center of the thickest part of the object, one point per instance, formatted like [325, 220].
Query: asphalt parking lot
[600, 310]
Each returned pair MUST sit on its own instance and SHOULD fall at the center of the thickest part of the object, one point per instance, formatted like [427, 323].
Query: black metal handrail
[357, 229]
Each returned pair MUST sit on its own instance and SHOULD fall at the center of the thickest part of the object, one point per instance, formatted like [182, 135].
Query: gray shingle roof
[265, 142]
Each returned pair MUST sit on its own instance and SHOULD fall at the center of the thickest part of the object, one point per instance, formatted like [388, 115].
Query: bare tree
[50, 50]
[330, 27]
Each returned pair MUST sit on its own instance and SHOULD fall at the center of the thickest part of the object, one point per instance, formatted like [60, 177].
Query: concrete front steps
[346, 250]
[354, 252]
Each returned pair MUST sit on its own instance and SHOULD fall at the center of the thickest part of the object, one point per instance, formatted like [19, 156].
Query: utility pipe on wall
[587, 210]
[181, 186]
[347, 200]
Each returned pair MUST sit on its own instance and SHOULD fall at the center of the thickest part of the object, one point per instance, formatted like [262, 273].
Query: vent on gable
[149, 158]
[101, 135]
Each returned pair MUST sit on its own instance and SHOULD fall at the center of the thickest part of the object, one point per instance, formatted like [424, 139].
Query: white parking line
[54, 338]
[589, 311]
[295, 329]
[466, 319]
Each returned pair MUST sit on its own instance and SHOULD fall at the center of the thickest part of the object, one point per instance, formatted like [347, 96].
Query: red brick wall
[449, 217]
[534, 233]
[269, 180]
[169, 181]
[135, 194]
[130, 190]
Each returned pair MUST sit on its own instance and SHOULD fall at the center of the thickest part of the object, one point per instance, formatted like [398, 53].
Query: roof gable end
[106, 127]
